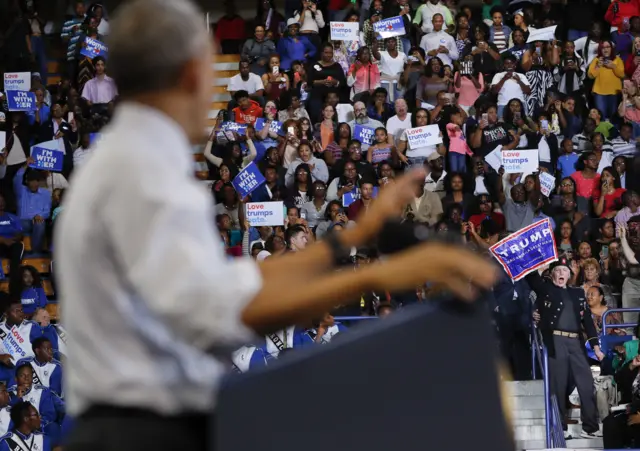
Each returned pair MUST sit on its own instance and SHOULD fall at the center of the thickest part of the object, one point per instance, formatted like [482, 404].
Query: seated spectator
[380, 150]
[334, 214]
[364, 120]
[361, 205]
[292, 107]
[294, 47]
[101, 89]
[435, 180]
[11, 235]
[300, 191]
[314, 212]
[431, 82]
[458, 193]
[229, 205]
[327, 329]
[624, 145]
[396, 125]
[380, 109]
[485, 206]
[26, 425]
[622, 429]
[46, 370]
[83, 151]
[416, 157]
[346, 183]
[5, 410]
[57, 128]
[50, 408]
[426, 208]
[275, 82]
[26, 285]
[606, 235]
[605, 127]
[248, 358]
[28, 330]
[631, 202]
[246, 81]
[296, 237]
[53, 332]
[319, 170]
[34, 206]
[256, 50]
[42, 112]
[248, 111]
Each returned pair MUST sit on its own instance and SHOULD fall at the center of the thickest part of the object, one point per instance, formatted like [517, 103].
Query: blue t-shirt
[33, 298]
[10, 225]
[567, 164]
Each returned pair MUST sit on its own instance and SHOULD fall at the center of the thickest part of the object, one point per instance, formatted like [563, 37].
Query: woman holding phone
[608, 199]
[607, 72]
[275, 82]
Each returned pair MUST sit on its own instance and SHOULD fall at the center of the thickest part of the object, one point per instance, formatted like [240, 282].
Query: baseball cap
[434, 156]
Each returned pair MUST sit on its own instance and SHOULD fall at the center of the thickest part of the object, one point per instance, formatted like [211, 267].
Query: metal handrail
[539, 351]
[606, 326]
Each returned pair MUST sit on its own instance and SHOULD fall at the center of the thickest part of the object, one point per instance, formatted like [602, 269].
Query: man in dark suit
[57, 128]
[560, 311]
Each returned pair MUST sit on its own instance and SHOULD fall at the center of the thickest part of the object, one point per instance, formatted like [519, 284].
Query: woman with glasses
[314, 211]
[417, 156]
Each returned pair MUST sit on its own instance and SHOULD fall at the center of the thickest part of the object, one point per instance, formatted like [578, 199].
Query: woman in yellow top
[607, 70]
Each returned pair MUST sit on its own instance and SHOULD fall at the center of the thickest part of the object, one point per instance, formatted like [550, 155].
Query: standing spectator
[607, 201]
[392, 64]
[325, 79]
[620, 13]
[267, 17]
[402, 9]
[256, 50]
[510, 85]
[519, 23]
[537, 63]
[364, 76]
[500, 34]
[71, 30]
[59, 129]
[293, 47]
[36, 38]
[100, 90]
[485, 54]
[431, 83]
[34, 206]
[468, 83]
[425, 13]
[518, 211]
[86, 68]
[439, 43]
[230, 30]
[607, 70]
[311, 21]
[586, 177]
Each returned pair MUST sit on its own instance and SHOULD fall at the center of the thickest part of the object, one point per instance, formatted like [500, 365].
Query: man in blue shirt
[24, 434]
[34, 205]
[10, 236]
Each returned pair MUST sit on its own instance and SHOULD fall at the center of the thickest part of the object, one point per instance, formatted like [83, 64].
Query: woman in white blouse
[311, 21]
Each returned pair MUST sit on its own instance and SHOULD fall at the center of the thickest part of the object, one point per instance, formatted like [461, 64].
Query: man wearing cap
[560, 311]
[434, 181]
[509, 84]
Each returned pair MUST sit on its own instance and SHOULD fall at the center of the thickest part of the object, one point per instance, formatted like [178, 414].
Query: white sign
[17, 81]
[542, 34]
[344, 31]
[17, 345]
[547, 183]
[520, 161]
[494, 159]
[265, 213]
[429, 135]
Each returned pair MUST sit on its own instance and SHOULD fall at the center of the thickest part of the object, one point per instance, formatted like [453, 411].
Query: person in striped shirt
[71, 31]
[624, 145]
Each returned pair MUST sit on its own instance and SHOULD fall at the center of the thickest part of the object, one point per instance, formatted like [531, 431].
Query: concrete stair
[526, 399]
[224, 67]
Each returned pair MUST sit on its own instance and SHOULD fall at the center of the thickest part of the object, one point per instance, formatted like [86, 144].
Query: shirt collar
[157, 129]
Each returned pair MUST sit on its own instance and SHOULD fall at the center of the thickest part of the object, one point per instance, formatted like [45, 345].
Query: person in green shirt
[605, 127]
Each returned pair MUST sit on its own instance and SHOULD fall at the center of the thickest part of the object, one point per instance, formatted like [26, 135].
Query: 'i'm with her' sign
[47, 159]
[526, 250]
[248, 180]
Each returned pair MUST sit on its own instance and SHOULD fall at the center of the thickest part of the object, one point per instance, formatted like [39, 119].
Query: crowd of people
[299, 105]
[557, 77]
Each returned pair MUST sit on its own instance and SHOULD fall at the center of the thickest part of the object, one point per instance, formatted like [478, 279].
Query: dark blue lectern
[423, 378]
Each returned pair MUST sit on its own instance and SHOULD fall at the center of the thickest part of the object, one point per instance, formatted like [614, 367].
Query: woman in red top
[586, 177]
[608, 199]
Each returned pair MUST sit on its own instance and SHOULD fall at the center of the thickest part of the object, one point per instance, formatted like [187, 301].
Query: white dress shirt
[436, 39]
[147, 287]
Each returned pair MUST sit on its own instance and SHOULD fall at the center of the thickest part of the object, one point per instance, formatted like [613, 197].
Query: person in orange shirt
[248, 111]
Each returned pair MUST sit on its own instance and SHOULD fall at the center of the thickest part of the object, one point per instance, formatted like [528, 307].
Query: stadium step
[526, 400]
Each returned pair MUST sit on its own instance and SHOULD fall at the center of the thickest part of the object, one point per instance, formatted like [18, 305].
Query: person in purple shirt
[34, 205]
[11, 245]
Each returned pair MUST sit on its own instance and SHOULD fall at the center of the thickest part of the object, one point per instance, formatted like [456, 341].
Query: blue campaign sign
[46, 159]
[354, 195]
[240, 129]
[21, 101]
[363, 134]
[526, 250]
[248, 180]
[275, 127]
[92, 48]
[388, 28]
